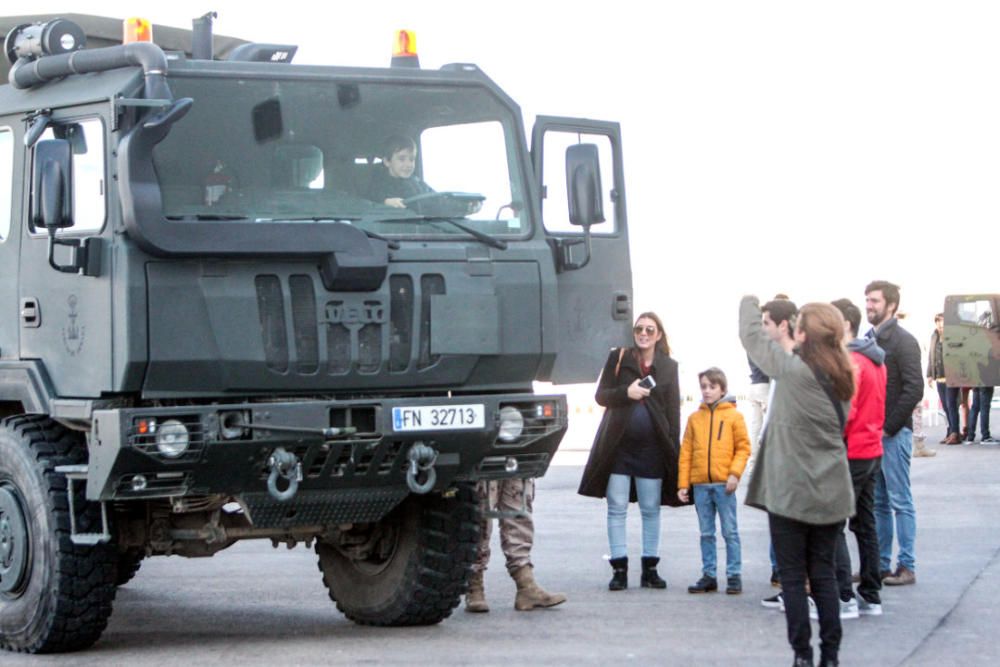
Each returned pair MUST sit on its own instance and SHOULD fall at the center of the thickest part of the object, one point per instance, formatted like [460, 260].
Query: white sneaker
[866, 608]
[848, 610]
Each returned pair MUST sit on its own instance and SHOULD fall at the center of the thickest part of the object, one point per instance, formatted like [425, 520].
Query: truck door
[65, 317]
[11, 161]
[972, 340]
[594, 275]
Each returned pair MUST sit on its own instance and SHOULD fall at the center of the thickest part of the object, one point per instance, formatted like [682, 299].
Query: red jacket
[864, 423]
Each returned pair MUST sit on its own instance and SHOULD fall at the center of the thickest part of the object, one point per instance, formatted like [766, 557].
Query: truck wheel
[411, 568]
[128, 565]
[54, 595]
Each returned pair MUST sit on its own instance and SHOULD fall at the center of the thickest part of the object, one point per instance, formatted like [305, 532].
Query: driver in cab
[396, 181]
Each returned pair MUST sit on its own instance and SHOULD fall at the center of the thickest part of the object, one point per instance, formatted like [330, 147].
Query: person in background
[801, 478]
[517, 536]
[982, 399]
[634, 456]
[935, 378]
[714, 454]
[863, 435]
[895, 513]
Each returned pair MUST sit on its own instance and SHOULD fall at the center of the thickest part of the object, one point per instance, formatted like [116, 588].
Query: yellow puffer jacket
[715, 445]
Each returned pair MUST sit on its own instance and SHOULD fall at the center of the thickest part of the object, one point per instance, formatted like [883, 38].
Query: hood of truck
[245, 328]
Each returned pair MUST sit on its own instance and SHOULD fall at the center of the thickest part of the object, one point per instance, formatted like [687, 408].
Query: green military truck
[972, 340]
[209, 332]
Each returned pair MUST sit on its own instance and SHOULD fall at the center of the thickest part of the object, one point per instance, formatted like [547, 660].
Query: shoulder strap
[621, 355]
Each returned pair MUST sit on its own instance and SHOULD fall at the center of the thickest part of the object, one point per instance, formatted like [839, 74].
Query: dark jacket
[385, 186]
[664, 403]
[935, 358]
[904, 385]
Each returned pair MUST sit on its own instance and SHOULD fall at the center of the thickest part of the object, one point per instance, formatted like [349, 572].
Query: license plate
[438, 417]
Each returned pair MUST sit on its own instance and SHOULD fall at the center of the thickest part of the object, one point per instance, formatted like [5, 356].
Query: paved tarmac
[253, 605]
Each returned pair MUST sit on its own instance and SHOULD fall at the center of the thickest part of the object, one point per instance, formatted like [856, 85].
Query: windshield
[371, 153]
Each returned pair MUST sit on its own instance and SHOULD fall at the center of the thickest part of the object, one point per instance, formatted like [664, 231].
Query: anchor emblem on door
[73, 334]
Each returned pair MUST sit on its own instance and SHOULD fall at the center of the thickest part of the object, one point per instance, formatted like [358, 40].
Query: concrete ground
[253, 605]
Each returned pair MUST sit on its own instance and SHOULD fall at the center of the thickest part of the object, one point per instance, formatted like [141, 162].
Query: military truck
[972, 340]
[210, 333]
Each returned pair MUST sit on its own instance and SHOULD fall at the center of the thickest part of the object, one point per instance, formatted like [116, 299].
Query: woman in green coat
[801, 478]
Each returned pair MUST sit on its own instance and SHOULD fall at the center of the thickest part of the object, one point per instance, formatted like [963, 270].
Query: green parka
[801, 471]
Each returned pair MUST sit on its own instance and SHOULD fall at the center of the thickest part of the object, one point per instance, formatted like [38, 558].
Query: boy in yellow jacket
[714, 453]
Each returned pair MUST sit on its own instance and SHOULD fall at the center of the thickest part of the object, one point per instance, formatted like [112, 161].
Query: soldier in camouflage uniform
[517, 534]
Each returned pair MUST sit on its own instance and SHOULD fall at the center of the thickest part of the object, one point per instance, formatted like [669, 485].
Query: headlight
[511, 424]
[172, 438]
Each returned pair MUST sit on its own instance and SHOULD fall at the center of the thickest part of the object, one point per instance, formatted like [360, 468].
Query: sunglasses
[649, 329]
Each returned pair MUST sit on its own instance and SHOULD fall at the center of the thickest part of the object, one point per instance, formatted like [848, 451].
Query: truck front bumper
[353, 455]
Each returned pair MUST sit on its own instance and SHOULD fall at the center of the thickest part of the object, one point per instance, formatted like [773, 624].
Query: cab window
[977, 313]
[89, 204]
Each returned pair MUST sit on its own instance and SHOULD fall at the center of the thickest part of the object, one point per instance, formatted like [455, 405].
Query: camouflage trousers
[517, 534]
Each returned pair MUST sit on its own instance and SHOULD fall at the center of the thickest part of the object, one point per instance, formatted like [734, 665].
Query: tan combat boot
[529, 594]
[475, 598]
[921, 449]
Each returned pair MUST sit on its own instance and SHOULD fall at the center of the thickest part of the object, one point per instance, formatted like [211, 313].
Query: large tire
[128, 565]
[423, 575]
[55, 596]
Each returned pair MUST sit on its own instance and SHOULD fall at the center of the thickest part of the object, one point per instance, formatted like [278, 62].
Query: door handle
[621, 309]
[31, 314]
[955, 344]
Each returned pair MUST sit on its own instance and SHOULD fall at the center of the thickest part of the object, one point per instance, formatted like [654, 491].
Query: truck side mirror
[52, 206]
[583, 182]
[52, 185]
[583, 192]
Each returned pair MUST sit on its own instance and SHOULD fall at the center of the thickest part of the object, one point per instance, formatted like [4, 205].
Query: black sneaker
[776, 602]
[734, 585]
[704, 585]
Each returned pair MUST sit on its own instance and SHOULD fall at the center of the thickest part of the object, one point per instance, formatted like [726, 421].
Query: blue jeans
[894, 500]
[709, 499]
[982, 397]
[648, 491]
[949, 403]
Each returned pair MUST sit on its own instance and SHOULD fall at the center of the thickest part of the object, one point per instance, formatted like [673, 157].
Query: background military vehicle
[210, 334]
[972, 340]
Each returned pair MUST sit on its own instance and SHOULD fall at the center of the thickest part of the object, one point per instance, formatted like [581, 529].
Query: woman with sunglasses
[634, 457]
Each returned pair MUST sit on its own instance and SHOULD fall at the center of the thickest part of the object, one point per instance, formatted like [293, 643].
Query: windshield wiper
[206, 216]
[478, 235]
[393, 245]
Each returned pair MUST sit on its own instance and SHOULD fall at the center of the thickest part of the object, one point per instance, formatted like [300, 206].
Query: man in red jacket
[863, 434]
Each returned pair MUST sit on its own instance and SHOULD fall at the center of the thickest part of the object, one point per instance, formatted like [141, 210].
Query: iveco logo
[368, 312]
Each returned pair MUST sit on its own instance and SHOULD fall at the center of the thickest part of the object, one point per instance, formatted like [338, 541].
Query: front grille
[304, 324]
[364, 333]
[271, 307]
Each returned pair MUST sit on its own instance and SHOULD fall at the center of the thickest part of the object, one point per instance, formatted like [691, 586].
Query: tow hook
[422, 459]
[287, 466]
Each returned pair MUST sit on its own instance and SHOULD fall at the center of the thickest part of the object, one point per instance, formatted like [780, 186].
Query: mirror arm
[86, 255]
[566, 262]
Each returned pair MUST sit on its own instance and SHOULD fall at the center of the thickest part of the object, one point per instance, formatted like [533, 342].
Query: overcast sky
[795, 146]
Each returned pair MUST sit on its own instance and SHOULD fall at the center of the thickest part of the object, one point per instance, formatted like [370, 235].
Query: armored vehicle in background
[972, 340]
[209, 332]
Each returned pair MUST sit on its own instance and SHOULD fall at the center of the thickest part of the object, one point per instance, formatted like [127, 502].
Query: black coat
[904, 385]
[664, 403]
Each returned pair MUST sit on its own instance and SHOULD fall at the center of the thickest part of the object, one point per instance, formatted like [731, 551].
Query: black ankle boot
[650, 579]
[619, 581]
